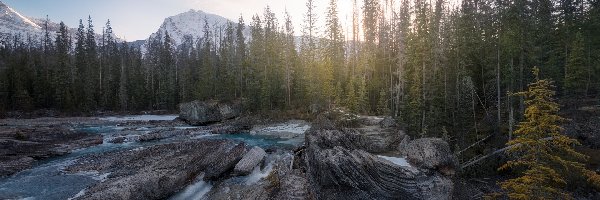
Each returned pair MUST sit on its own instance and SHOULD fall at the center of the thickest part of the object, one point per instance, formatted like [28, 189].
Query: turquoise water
[264, 142]
[47, 181]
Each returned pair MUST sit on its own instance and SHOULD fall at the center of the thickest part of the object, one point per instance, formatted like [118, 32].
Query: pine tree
[62, 73]
[80, 65]
[289, 57]
[542, 150]
[240, 55]
[92, 81]
[309, 54]
[575, 70]
[333, 55]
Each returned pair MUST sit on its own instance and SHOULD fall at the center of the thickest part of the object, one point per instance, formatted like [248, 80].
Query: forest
[443, 69]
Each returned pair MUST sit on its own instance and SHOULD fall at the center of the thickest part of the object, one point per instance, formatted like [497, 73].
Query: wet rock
[17, 150]
[158, 135]
[159, 171]
[231, 189]
[202, 113]
[224, 163]
[226, 129]
[293, 186]
[254, 157]
[116, 140]
[11, 164]
[430, 153]
[289, 181]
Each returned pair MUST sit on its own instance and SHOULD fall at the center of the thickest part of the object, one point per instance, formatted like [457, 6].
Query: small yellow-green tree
[544, 156]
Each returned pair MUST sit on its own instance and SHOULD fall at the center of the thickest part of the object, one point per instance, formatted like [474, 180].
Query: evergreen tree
[62, 73]
[542, 150]
[80, 65]
[334, 54]
[575, 70]
[240, 55]
[93, 75]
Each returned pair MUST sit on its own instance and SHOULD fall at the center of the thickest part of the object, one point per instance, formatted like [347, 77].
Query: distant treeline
[437, 68]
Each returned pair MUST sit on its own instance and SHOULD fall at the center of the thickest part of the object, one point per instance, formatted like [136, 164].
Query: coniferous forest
[453, 70]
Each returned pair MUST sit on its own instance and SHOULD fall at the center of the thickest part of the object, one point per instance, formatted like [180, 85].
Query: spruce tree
[80, 65]
[576, 72]
[93, 75]
[542, 150]
[62, 73]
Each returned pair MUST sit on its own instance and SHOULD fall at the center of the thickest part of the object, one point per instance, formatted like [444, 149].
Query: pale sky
[137, 19]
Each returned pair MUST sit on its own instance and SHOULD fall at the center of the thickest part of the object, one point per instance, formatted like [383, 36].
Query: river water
[47, 181]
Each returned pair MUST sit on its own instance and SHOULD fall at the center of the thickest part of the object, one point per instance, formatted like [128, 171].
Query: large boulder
[254, 157]
[340, 165]
[199, 112]
[157, 172]
[202, 113]
[388, 122]
[430, 153]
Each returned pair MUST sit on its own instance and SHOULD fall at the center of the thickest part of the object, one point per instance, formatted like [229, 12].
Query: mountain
[190, 23]
[13, 23]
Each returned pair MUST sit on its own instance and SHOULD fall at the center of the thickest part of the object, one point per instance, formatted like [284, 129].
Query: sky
[137, 19]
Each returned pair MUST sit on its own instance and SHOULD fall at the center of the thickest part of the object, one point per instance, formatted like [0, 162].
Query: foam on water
[258, 174]
[195, 191]
[141, 118]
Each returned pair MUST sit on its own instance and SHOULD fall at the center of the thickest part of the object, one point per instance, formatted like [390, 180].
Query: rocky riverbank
[338, 156]
[22, 147]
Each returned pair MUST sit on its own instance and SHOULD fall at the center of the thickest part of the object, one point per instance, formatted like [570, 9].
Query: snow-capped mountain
[12, 23]
[190, 23]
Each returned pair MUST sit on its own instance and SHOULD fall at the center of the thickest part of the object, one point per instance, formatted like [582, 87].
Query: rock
[370, 140]
[293, 185]
[202, 113]
[404, 145]
[339, 168]
[290, 182]
[370, 120]
[230, 189]
[430, 153]
[230, 111]
[10, 164]
[324, 123]
[116, 140]
[388, 122]
[254, 157]
[159, 171]
[18, 145]
[340, 173]
[226, 129]
[158, 135]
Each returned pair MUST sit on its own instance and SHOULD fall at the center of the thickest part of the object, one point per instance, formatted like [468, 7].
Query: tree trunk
[498, 104]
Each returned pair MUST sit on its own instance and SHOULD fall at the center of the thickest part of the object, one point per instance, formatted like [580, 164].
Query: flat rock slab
[254, 157]
[21, 147]
[157, 172]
